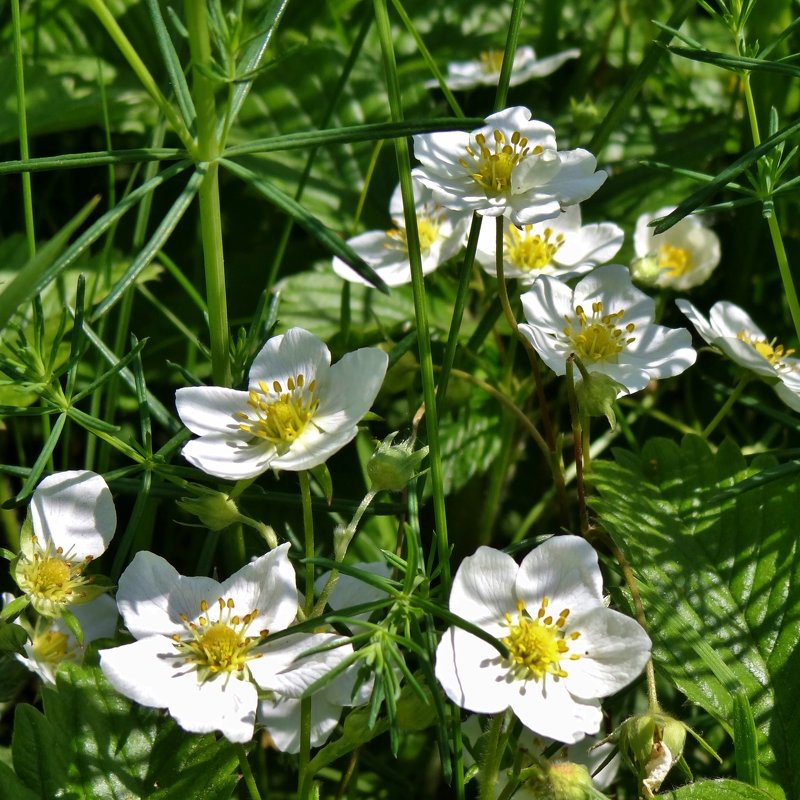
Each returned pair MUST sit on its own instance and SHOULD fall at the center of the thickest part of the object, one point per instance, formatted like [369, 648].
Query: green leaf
[12, 638]
[21, 290]
[39, 760]
[12, 788]
[716, 790]
[737, 63]
[119, 750]
[720, 579]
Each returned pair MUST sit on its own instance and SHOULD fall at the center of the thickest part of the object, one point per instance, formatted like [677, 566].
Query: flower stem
[772, 220]
[308, 538]
[247, 773]
[491, 762]
[142, 73]
[22, 121]
[577, 435]
[726, 406]
[206, 155]
[418, 291]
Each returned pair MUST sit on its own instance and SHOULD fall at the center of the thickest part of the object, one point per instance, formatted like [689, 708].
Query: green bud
[645, 270]
[585, 113]
[596, 395]
[392, 466]
[652, 743]
[561, 780]
[215, 510]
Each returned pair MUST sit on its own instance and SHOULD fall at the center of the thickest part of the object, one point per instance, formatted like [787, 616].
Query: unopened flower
[560, 246]
[201, 646]
[485, 70]
[441, 234]
[392, 466]
[511, 167]
[72, 521]
[608, 324]
[565, 648]
[652, 743]
[297, 412]
[52, 643]
[732, 330]
[680, 258]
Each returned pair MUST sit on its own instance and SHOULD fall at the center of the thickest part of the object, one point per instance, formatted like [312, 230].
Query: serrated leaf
[716, 790]
[39, 761]
[120, 750]
[720, 573]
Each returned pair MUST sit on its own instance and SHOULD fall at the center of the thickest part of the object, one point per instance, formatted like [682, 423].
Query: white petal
[350, 387]
[789, 393]
[281, 718]
[612, 285]
[471, 673]
[233, 459]
[152, 596]
[540, 67]
[550, 710]
[594, 244]
[564, 569]
[225, 704]
[728, 320]
[210, 409]
[98, 618]
[284, 667]
[483, 588]
[438, 149]
[613, 652]
[147, 671]
[74, 511]
[297, 352]
[314, 447]
[577, 180]
[547, 303]
[268, 585]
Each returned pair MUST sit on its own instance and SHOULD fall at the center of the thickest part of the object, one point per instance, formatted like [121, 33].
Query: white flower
[53, 643]
[560, 246]
[511, 166]
[441, 234]
[608, 324]
[279, 712]
[201, 649]
[566, 649]
[72, 521]
[680, 258]
[298, 410]
[731, 329]
[485, 70]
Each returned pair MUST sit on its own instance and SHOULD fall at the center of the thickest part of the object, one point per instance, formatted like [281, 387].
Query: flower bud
[392, 466]
[653, 743]
[215, 510]
[561, 780]
[645, 270]
[596, 395]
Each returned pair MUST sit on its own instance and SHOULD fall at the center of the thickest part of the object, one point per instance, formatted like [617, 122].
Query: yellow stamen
[597, 337]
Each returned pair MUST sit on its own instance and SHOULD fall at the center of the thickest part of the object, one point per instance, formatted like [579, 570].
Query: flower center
[537, 645]
[51, 647]
[531, 252]
[52, 577]
[491, 61]
[492, 169]
[428, 229]
[280, 415]
[217, 646]
[773, 352]
[597, 338]
[676, 260]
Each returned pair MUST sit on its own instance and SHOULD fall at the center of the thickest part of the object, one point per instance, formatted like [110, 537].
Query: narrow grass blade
[307, 221]
[28, 280]
[96, 158]
[41, 462]
[356, 133]
[725, 177]
[173, 65]
[156, 242]
[736, 63]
